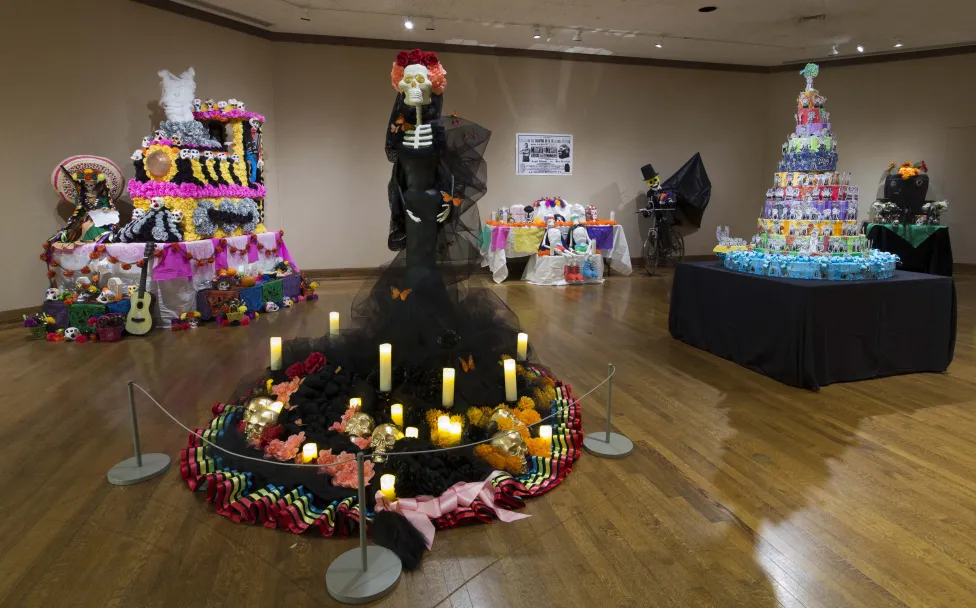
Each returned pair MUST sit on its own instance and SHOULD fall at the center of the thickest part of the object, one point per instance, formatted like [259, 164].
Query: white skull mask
[207, 154]
[51, 294]
[106, 296]
[240, 105]
[157, 203]
[222, 155]
[194, 154]
[197, 105]
[137, 155]
[270, 307]
[146, 142]
[71, 334]
[184, 154]
[177, 215]
[235, 158]
[222, 106]
[177, 140]
[232, 103]
[415, 85]
[137, 213]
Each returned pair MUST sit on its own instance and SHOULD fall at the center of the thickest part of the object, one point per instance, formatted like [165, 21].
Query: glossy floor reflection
[740, 492]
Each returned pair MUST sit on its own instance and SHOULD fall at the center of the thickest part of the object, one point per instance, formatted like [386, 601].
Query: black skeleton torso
[417, 179]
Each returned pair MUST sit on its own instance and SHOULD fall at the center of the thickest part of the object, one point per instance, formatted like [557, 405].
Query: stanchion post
[140, 467]
[608, 444]
[368, 573]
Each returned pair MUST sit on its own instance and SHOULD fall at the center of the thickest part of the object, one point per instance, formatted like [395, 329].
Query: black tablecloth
[812, 333]
[934, 256]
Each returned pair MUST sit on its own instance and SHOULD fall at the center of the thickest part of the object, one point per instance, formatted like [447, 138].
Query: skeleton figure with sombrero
[92, 184]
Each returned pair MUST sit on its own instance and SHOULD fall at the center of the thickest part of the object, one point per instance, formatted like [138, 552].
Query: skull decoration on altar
[222, 106]
[415, 85]
[511, 444]
[384, 437]
[137, 155]
[137, 213]
[287, 302]
[185, 154]
[146, 141]
[270, 307]
[106, 297]
[156, 203]
[52, 294]
[177, 216]
[197, 105]
[71, 334]
[359, 425]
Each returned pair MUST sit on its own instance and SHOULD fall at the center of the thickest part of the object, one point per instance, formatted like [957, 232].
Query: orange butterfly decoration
[400, 124]
[450, 199]
[468, 365]
[402, 295]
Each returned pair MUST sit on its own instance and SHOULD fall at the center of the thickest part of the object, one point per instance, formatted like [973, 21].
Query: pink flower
[284, 450]
[344, 474]
[341, 426]
[361, 442]
[284, 390]
[314, 363]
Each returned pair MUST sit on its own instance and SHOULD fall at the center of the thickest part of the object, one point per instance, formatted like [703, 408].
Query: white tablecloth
[497, 261]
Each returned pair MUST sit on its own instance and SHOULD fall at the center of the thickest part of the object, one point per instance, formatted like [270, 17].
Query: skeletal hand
[412, 216]
[444, 214]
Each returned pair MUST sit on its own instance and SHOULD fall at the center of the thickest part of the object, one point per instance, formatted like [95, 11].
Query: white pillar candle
[386, 368]
[396, 414]
[275, 354]
[412, 432]
[355, 402]
[545, 432]
[511, 395]
[443, 425]
[448, 393]
[388, 487]
[310, 452]
[333, 324]
[522, 352]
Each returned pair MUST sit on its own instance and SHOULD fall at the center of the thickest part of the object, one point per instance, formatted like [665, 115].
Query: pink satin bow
[421, 510]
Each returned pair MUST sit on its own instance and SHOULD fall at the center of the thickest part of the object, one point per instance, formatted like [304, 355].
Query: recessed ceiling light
[860, 48]
[408, 23]
[834, 51]
[899, 44]
[536, 33]
[707, 9]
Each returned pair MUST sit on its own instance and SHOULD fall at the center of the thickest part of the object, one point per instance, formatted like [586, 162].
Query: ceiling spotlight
[860, 48]
[408, 23]
[834, 51]
[578, 36]
[430, 25]
[899, 44]
[536, 33]
[660, 43]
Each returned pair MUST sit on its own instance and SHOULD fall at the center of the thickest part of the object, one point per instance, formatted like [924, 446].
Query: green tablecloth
[914, 234]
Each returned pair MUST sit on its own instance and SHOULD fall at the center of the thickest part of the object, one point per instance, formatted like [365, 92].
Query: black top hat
[649, 172]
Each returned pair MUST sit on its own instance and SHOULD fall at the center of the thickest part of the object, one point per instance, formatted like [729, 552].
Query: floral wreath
[437, 73]
[549, 201]
[908, 170]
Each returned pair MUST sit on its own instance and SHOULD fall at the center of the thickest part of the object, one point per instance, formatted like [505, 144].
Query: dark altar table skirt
[931, 256]
[810, 334]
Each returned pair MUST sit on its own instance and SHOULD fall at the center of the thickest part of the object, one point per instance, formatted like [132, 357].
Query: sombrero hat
[65, 187]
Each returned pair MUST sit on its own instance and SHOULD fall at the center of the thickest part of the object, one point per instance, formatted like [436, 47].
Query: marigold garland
[497, 460]
[528, 416]
[525, 403]
[478, 416]
[539, 447]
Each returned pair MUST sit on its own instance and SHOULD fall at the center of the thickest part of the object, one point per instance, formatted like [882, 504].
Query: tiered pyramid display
[808, 227]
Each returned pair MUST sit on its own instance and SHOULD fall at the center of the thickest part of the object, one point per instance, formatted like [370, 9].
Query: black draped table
[809, 333]
[921, 248]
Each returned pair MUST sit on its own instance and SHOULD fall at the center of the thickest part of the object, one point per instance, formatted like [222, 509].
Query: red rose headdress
[438, 76]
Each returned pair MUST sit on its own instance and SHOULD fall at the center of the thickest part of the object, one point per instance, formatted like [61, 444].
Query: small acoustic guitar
[139, 321]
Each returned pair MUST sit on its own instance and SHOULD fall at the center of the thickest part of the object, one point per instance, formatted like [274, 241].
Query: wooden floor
[741, 491]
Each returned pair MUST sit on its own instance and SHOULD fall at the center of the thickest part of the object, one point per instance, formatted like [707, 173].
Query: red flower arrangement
[436, 72]
[314, 363]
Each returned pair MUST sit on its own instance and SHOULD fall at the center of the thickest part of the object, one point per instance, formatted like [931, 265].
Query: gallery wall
[333, 104]
[893, 112]
[89, 86]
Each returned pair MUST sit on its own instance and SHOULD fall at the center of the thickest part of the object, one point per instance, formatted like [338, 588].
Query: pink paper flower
[344, 474]
[341, 426]
[284, 390]
[188, 190]
[284, 450]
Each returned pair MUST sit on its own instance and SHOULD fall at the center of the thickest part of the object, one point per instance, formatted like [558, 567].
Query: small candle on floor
[522, 350]
[511, 393]
[396, 414]
[448, 394]
[275, 354]
[310, 452]
[333, 324]
[412, 432]
[386, 367]
[388, 487]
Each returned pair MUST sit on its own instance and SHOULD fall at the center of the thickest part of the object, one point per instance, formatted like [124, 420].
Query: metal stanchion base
[347, 583]
[128, 472]
[618, 446]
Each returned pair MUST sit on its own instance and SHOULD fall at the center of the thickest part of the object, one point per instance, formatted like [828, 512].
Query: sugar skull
[207, 154]
[415, 85]
[240, 106]
[71, 334]
[222, 106]
[146, 141]
[287, 302]
[137, 155]
[177, 216]
[235, 158]
[270, 307]
[137, 213]
[52, 294]
[197, 105]
[231, 103]
[194, 154]
[209, 103]
[156, 203]
[185, 154]
[106, 297]
[221, 156]
[131, 290]
[177, 140]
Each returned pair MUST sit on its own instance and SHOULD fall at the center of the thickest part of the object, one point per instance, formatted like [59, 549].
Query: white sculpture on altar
[178, 92]
[579, 239]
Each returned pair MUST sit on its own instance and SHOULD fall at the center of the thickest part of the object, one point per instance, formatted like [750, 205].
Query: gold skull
[384, 437]
[256, 405]
[359, 425]
[500, 413]
[258, 422]
[511, 444]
